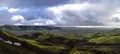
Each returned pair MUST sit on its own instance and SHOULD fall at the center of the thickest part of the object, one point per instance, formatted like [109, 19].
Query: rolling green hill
[58, 40]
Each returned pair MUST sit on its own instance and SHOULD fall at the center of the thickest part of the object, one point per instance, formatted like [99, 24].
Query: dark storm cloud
[88, 12]
[60, 12]
[31, 14]
[5, 17]
[30, 3]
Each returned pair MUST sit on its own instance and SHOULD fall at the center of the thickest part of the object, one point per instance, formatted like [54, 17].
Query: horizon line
[70, 26]
[92, 26]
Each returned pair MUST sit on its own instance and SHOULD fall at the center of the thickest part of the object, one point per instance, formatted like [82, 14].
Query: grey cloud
[98, 13]
[63, 12]
[5, 17]
[30, 3]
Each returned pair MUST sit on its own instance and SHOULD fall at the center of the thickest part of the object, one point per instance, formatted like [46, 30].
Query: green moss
[9, 49]
[76, 51]
[104, 49]
[106, 40]
[45, 47]
[43, 37]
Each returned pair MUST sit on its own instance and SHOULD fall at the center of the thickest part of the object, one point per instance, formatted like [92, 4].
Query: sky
[60, 12]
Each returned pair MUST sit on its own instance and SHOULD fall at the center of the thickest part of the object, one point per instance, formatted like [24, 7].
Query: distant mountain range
[24, 28]
[55, 29]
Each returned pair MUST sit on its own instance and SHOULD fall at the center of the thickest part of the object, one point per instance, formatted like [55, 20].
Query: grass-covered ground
[10, 49]
[63, 41]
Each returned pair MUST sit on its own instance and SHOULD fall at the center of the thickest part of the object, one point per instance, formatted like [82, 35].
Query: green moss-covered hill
[27, 46]
[60, 42]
